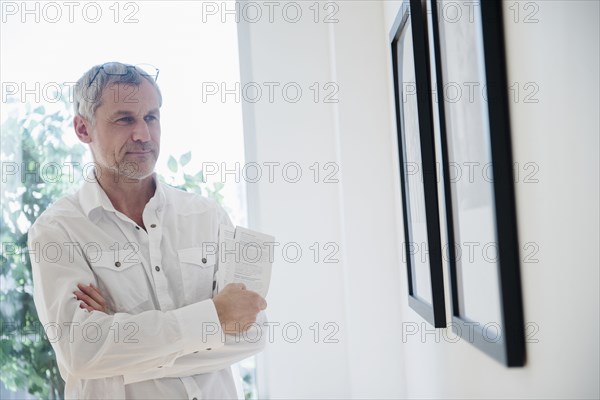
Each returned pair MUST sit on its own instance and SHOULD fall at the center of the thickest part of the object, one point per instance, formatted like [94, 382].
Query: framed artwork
[471, 93]
[416, 151]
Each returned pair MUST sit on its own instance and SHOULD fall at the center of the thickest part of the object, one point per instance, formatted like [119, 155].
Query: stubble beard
[132, 169]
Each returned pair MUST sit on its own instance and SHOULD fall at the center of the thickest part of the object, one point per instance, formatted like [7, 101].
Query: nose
[141, 132]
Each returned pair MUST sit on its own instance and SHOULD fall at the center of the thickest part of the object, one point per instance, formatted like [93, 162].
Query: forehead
[129, 96]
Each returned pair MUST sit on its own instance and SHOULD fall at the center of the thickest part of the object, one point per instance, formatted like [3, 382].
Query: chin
[137, 171]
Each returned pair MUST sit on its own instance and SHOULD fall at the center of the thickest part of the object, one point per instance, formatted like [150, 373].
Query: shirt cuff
[200, 327]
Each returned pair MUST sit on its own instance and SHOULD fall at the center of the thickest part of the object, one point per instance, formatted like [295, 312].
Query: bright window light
[48, 45]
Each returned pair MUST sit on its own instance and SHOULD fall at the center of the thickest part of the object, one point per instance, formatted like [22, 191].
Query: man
[128, 298]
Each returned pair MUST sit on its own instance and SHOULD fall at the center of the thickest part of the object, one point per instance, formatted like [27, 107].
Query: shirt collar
[92, 197]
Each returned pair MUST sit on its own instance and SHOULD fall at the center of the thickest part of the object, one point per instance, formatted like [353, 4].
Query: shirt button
[195, 351]
[157, 268]
[137, 227]
[214, 284]
[208, 348]
[203, 260]
[195, 398]
[153, 226]
[117, 264]
[160, 366]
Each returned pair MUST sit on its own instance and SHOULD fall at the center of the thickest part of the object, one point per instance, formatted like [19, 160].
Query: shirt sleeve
[93, 345]
[236, 348]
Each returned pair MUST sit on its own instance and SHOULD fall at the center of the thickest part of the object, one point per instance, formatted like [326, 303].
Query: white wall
[303, 292]
[365, 292]
[559, 134]
[359, 293]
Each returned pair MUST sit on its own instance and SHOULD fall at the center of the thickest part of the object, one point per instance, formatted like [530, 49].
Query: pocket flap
[114, 260]
[195, 255]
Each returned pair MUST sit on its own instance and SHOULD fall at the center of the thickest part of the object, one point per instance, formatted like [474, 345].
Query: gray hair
[88, 94]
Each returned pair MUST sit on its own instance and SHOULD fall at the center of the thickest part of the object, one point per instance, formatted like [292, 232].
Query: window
[47, 46]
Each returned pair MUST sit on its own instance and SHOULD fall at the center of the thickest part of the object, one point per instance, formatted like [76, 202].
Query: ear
[82, 129]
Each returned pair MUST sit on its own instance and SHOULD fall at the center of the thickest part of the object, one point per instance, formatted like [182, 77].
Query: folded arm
[238, 346]
[93, 345]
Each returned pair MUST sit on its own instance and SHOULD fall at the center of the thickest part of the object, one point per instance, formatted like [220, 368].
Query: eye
[125, 120]
[150, 118]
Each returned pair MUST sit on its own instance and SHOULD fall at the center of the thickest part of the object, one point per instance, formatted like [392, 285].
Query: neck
[127, 195]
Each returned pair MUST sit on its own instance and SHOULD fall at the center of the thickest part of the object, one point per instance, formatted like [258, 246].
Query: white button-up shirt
[164, 339]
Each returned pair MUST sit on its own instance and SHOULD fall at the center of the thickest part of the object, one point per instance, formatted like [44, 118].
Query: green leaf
[185, 158]
[37, 137]
[172, 164]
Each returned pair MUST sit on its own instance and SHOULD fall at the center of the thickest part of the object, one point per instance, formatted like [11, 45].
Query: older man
[128, 299]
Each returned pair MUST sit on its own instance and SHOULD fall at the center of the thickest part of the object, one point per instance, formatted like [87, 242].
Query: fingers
[94, 293]
[238, 326]
[241, 286]
[237, 307]
[86, 307]
[257, 300]
[91, 296]
[234, 287]
[89, 302]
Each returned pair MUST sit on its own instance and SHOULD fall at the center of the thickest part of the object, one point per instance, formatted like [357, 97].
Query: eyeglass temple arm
[95, 75]
[101, 67]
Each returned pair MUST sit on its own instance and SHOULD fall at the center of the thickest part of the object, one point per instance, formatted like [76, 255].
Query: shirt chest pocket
[197, 273]
[122, 281]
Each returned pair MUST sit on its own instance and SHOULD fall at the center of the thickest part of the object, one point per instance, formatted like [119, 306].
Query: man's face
[125, 138]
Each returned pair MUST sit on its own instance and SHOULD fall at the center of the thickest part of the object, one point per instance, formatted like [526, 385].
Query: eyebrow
[120, 113]
[127, 113]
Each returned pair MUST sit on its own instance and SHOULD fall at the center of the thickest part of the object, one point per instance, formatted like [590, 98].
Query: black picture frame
[420, 201]
[507, 345]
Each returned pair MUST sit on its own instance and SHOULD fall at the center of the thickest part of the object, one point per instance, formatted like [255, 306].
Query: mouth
[139, 152]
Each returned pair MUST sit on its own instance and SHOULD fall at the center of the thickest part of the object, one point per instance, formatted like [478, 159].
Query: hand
[237, 307]
[91, 299]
